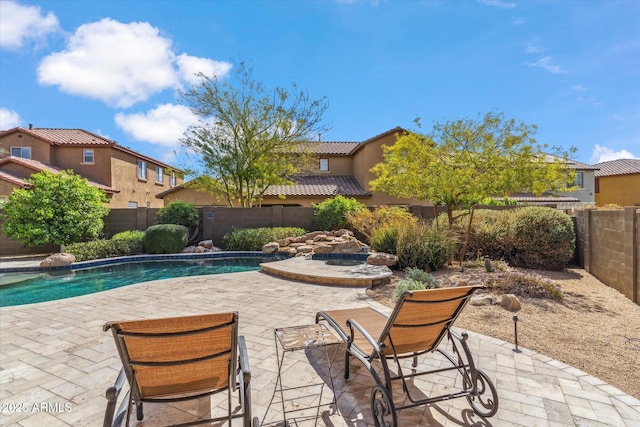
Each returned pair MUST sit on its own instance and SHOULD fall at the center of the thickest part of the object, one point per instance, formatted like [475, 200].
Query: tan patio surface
[55, 361]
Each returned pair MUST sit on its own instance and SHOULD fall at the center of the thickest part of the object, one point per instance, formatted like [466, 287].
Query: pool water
[27, 288]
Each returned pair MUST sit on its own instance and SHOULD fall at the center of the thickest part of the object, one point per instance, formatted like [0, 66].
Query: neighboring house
[342, 168]
[130, 179]
[583, 195]
[618, 182]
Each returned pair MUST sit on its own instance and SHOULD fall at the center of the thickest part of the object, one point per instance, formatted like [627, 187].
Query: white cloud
[119, 64]
[578, 88]
[533, 48]
[9, 119]
[163, 125]
[189, 66]
[19, 24]
[605, 154]
[498, 3]
[516, 20]
[546, 63]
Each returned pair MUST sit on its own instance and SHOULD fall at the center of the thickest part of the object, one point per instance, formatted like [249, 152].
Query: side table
[301, 338]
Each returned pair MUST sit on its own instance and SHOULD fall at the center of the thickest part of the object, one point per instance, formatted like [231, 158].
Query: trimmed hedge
[253, 239]
[133, 238]
[166, 238]
[97, 249]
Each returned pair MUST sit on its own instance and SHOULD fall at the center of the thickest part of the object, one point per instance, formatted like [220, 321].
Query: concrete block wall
[609, 247]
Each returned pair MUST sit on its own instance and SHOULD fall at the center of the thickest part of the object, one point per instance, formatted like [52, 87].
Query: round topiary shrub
[166, 238]
[134, 239]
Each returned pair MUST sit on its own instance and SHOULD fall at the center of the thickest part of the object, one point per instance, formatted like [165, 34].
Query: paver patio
[55, 361]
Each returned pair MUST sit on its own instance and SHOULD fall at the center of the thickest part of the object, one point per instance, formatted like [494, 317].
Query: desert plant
[331, 213]
[252, 239]
[166, 238]
[367, 222]
[524, 284]
[385, 239]
[133, 238]
[424, 246]
[421, 276]
[543, 238]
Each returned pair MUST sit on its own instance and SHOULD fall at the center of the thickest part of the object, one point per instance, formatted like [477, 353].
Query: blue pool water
[32, 287]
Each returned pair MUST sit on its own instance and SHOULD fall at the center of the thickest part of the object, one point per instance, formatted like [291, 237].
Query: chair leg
[346, 365]
[139, 412]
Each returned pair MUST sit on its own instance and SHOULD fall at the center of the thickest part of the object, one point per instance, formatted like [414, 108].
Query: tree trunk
[467, 236]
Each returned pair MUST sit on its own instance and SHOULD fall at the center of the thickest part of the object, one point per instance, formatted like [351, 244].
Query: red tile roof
[319, 185]
[81, 138]
[618, 167]
[38, 167]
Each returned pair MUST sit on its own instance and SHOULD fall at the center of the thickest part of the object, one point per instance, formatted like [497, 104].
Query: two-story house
[342, 168]
[618, 182]
[130, 179]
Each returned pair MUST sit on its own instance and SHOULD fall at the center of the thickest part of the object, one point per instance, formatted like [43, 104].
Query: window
[159, 177]
[87, 156]
[324, 165]
[172, 180]
[142, 169]
[24, 152]
[579, 180]
[132, 205]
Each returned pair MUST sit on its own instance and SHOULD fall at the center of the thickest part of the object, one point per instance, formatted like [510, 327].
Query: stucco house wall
[622, 190]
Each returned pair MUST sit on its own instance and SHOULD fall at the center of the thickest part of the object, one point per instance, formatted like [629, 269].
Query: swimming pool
[27, 287]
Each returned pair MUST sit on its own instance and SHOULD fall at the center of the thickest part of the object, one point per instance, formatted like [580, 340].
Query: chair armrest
[256, 422]
[112, 394]
[352, 323]
[244, 359]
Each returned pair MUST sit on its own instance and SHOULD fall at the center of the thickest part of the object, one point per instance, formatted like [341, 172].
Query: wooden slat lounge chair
[417, 325]
[180, 358]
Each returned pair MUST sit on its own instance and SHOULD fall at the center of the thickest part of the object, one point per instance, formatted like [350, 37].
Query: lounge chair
[417, 325]
[180, 358]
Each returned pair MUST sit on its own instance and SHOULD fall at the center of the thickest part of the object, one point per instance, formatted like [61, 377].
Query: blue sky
[114, 67]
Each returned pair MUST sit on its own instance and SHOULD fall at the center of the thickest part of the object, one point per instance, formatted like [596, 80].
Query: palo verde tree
[247, 137]
[465, 161]
[59, 208]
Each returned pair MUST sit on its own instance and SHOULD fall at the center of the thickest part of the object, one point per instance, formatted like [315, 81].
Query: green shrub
[133, 238]
[98, 249]
[421, 276]
[253, 239]
[385, 239]
[180, 213]
[331, 214]
[425, 247]
[543, 238]
[367, 222]
[408, 285]
[166, 238]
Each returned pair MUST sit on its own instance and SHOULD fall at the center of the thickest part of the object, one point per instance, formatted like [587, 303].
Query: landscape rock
[511, 302]
[206, 244]
[482, 299]
[270, 248]
[381, 258]
[58, 260]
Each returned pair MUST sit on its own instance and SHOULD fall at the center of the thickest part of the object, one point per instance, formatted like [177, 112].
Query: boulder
[304, 249]
[510, 302]
[349, 247]
[200, 250]
[207, 244]
[270, 248]
[313, 234]
[323, 248]
[481, 299]
[58, 260]
[189, 250]
[381, 258]
[283, 242]
[320, 238]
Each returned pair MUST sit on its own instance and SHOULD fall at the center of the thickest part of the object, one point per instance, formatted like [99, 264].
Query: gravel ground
[594, 328]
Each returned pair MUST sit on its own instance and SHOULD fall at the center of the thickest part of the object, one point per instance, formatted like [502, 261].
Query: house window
[142, 169]
[579, 180]
[24, 152]
[324, 165]
[159, 176]
[172, 180]
[87, 156]
[132, 205]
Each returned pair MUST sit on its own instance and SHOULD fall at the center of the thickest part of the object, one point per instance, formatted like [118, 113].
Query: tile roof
[338, 148]
[81, 138]
[544, 198]
[618, 167]
[572, 164]
[319, 185]
[38, 167]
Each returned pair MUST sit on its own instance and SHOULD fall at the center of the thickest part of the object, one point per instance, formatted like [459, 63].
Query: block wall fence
[607, 244]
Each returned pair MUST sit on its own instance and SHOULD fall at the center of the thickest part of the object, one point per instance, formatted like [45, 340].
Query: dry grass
[594, 328]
